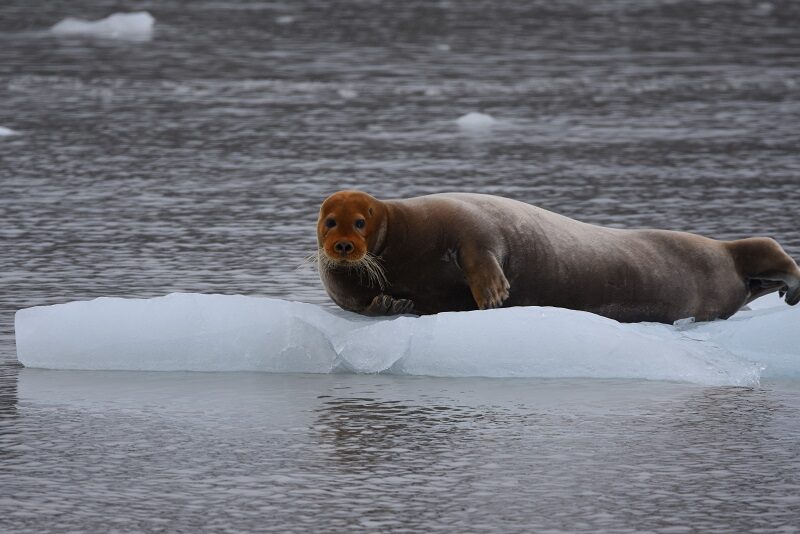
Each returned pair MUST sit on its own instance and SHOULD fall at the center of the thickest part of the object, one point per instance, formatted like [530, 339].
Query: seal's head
[351, 228]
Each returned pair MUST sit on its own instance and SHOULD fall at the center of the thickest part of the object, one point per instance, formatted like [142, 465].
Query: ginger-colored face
[349, 224]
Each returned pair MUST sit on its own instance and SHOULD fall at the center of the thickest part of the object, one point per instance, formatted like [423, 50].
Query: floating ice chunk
[764, 8]
[136, 26]
[235, 333]
[6, 132]
[476, 121]
[284, 19]
[347, 93]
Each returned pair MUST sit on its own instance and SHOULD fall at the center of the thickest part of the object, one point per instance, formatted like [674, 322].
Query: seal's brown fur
[460, 251]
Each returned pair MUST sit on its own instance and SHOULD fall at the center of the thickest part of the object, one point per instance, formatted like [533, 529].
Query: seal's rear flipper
[793, 295]
[766, 267]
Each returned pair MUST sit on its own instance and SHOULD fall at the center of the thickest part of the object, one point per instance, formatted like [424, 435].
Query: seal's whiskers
[369, 267]
[312, 260]
[373, 269]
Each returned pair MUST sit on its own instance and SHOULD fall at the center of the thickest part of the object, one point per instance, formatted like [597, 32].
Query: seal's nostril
[343, 247]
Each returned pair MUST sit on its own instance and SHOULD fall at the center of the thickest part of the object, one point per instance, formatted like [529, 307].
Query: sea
[192, 156]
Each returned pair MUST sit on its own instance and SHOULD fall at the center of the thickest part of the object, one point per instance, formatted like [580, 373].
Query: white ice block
[196, 332]
[475, 120]
[137, 26]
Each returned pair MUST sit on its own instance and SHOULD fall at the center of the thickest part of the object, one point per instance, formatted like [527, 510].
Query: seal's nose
[343, 247]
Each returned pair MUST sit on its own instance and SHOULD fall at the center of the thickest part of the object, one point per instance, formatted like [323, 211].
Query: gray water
[196, 161]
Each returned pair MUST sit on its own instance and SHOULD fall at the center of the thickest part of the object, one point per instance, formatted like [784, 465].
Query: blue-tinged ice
[137, 26]
[6, 132]
[196, 332]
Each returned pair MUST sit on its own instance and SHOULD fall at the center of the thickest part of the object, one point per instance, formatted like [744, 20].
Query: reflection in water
[9, 372]
[393, 453]
[727, 452]
[9, 433]
[367, 431]
[713, 458]
[724, 414]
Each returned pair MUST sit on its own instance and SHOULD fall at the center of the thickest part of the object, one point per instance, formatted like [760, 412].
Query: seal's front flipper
[488, 284]
[386, 305]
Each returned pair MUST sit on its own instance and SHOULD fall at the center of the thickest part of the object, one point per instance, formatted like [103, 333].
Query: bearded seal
[464, 251]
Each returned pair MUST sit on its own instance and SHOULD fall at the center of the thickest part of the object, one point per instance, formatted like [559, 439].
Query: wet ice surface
[195, 162]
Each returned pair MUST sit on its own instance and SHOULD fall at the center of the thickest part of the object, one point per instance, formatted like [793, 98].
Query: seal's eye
[360, 223]
[330, 223]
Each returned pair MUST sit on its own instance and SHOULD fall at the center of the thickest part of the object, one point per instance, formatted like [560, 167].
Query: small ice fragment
[680, 324]
[476, 121]
[347, 93]
[284, 19]
[136, 26]
[5, 132]
[444, 47]
[764, 8]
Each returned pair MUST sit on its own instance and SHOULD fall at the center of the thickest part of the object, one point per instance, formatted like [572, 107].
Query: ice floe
[6, 132]
[476, 121]
[137, 26]
[197, 332]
